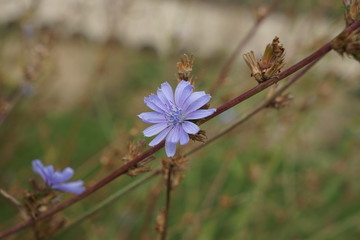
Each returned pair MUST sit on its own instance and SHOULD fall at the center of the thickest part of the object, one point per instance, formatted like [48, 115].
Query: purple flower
[172, 114]
[346, 2]
[57, 179]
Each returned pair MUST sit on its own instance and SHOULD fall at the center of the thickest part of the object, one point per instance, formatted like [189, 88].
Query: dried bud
[271, 63]
[178, 166]
[184, 68]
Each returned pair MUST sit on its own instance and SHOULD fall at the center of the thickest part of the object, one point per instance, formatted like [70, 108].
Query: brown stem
[167, 204]
[317, 54]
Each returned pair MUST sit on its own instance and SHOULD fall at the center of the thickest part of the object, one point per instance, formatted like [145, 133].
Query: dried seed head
[184, 68]
[178, 165]
[348, 43]
[270, 64]
[133, 150]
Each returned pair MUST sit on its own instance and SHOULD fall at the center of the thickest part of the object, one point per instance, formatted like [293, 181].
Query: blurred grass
[287, 174]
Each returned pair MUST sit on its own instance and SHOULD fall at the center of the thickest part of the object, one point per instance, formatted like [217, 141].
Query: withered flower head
[270, 64]
[178, 166]
[352, 11]
[133, 150]
[348, 43]
[184, 68]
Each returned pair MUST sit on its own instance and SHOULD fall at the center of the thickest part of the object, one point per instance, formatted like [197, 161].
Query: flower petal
[190, 127]
[174, 134]
[154, 129]
[198, 103]
[152, 117]
[65, 175]
[160, 137]
[38, 168]
[184, 137]
[72, 187]
[154, 103]
[182, 92]
[168, 92]
[192, 98]
[199, 114]
[170, 148]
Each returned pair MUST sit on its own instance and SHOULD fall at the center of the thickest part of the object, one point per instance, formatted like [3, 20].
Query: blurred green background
[291, 173]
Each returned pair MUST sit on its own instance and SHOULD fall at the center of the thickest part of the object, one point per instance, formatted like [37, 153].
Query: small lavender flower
[57, 179]
[172, 114]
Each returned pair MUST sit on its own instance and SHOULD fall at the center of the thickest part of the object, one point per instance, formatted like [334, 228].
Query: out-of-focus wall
[201, 28]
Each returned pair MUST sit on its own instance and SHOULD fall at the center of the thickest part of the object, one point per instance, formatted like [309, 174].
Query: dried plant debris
[271, 63]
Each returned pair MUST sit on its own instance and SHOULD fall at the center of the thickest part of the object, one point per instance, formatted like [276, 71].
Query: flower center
[175, 116]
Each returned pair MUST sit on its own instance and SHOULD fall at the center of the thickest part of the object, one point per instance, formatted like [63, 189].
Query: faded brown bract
[178, 165]
[271, 63]
[352, 12]
[199, 137]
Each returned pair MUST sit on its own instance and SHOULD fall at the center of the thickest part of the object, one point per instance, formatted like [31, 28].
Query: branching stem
[123, 169]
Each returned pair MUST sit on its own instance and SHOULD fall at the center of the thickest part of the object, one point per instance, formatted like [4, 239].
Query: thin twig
[167, 204]
[123, 169]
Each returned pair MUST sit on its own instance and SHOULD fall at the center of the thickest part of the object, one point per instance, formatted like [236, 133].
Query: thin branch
[123, 169]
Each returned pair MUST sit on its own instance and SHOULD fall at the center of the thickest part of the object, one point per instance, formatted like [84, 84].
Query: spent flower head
[173, 113]
[270, 64]
[57, 180]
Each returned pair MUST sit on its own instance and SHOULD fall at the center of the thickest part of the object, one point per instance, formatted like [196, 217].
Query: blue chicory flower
[172, 114]
[57, 180]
